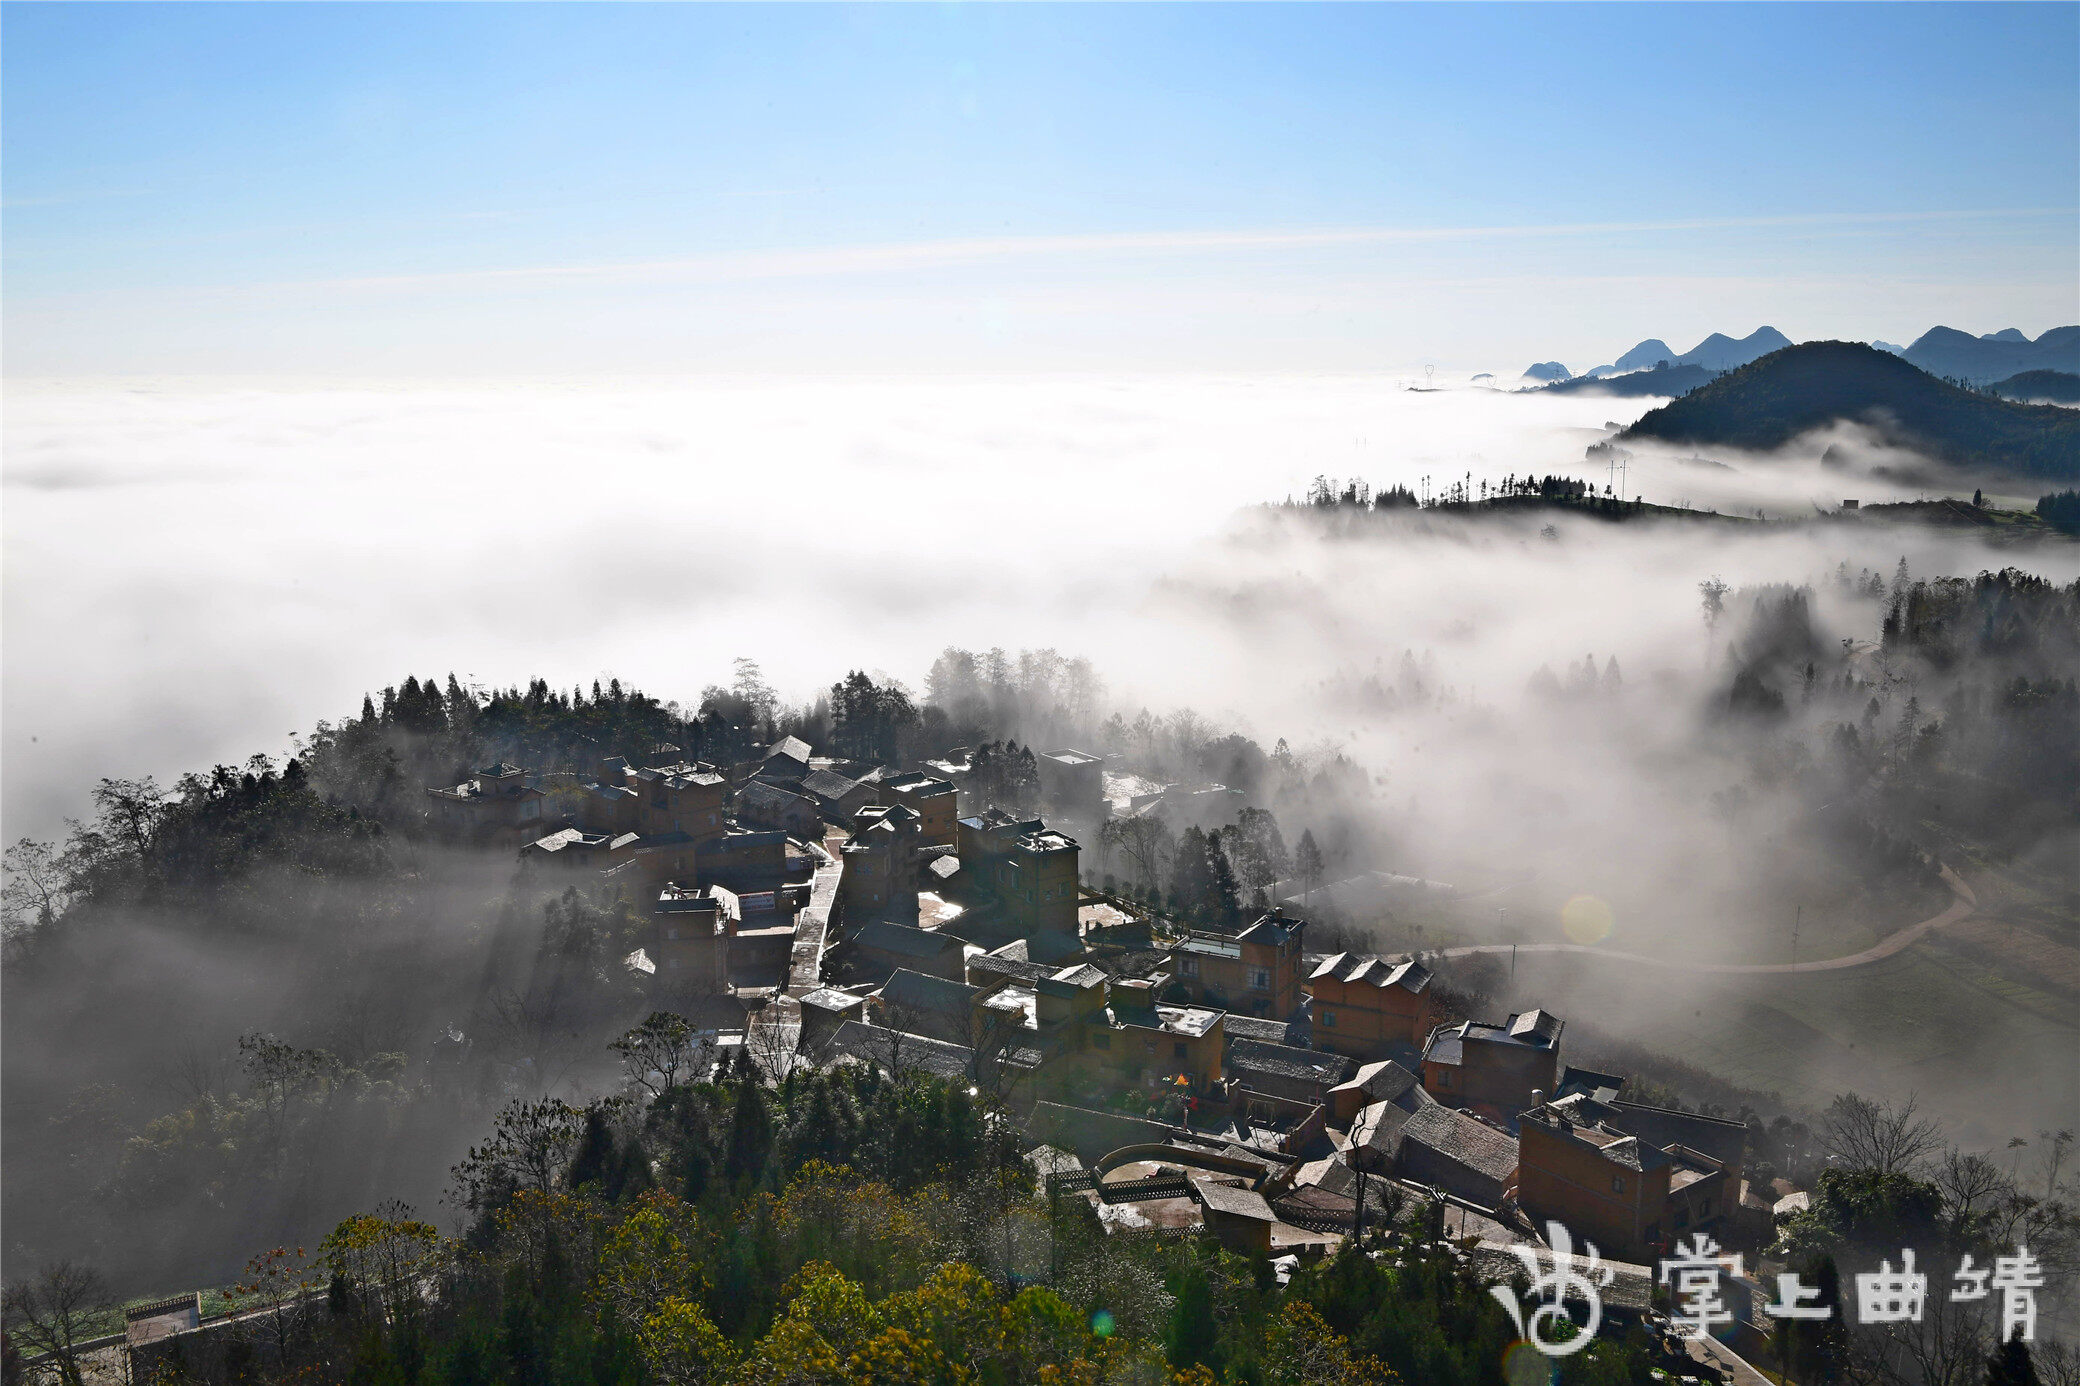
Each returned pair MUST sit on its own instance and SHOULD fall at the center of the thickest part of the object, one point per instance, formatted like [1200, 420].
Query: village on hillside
[807, 910]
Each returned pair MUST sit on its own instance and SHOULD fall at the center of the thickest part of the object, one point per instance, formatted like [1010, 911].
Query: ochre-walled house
[1258, 971]
[1366, 1007]
[1494, 1068]
[1028, 868]
[1632, 1179]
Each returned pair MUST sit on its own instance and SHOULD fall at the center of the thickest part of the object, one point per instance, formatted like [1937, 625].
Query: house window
[1444, 1077]
[1328, 1020]
[1260, 978]
[1653, 1233]
[1188, 966]
[1682, 1218]
[1177, 1051]
[1617, 1184]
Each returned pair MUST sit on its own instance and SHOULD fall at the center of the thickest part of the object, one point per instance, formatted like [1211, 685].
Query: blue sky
[368, 190]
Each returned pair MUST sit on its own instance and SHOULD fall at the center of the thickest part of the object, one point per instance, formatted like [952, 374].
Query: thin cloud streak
[840, 261]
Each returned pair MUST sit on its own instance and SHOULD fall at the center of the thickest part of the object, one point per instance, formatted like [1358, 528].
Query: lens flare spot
[1101, 1323]
[1525, 1365]
[1586, 919]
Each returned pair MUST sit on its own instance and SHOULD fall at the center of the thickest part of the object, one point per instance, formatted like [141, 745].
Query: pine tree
[1222, 887]
[1191, 873]
[750, 1129]
[1307, 862]
[2010, 1365]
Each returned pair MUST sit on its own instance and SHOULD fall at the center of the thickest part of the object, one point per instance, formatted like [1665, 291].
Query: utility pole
[1797, 920]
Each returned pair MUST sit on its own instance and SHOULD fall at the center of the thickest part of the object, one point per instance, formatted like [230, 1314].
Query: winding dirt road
[1960, 909]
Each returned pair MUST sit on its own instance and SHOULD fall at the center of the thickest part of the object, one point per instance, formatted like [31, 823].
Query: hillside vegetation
[1772, 401]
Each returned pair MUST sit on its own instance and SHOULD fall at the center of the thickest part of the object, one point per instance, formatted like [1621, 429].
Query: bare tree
[900, 1024]
[36, 888]
[656, 1053]
[1883, 1136]
[1970, 1183]
[53, 1313]
[1946, 1346]
[279, 1283]
[529, 1148]
[1144, 843]
[2055, 1145]
[767, 1046]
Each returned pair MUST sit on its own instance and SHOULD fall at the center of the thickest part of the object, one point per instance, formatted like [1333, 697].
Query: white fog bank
[193, 572]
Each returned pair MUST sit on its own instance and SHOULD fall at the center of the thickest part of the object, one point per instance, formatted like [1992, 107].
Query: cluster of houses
[1176, 1079]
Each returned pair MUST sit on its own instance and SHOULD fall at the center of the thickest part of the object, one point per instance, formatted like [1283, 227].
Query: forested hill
[1672, 381]
[1769, 402]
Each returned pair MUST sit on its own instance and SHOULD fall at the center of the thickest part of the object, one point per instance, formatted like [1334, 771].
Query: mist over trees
[353, 1005]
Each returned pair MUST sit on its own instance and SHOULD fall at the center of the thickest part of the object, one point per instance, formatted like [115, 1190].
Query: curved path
[1960, 909]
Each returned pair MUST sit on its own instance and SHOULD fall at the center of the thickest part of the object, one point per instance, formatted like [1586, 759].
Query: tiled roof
[1236, 1202]
[884, 937]
[1721, 1139]
[1257, 1028]
[1379, 1126]
[1272, 931]
[1539, 1028]
[557, 841]
[1306, 1065]
[828, 784]
[1385, 1081]
[1406, 973]
[759, 794]
[873, 1044]
[997, 965]
[790, 747]
[1462, 1139]
[916, 991]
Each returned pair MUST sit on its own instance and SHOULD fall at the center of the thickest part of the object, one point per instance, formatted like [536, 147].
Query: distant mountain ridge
[1955, 355]
[1547, 371]
[1717, 352]
[1767, 403]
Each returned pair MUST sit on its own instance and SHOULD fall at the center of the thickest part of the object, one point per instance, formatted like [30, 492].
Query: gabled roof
[789, 748]
[1723, 1140]
[759, 794]
[1385, 1081]
[1285, 1061]
[1235, 1202]
[1540, 1029]
[1257, 1028]
[828, 784]
[916, 991]
[556, 841]
[831, 999]
[1530, 1030]
[681, 775]
[917, 784]
[1079, 975]
[904, 941]
[1460, 1138]
[1405, 973]
[998, 965]
[1053, 946]
[1273, 931]
[873, 1044]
